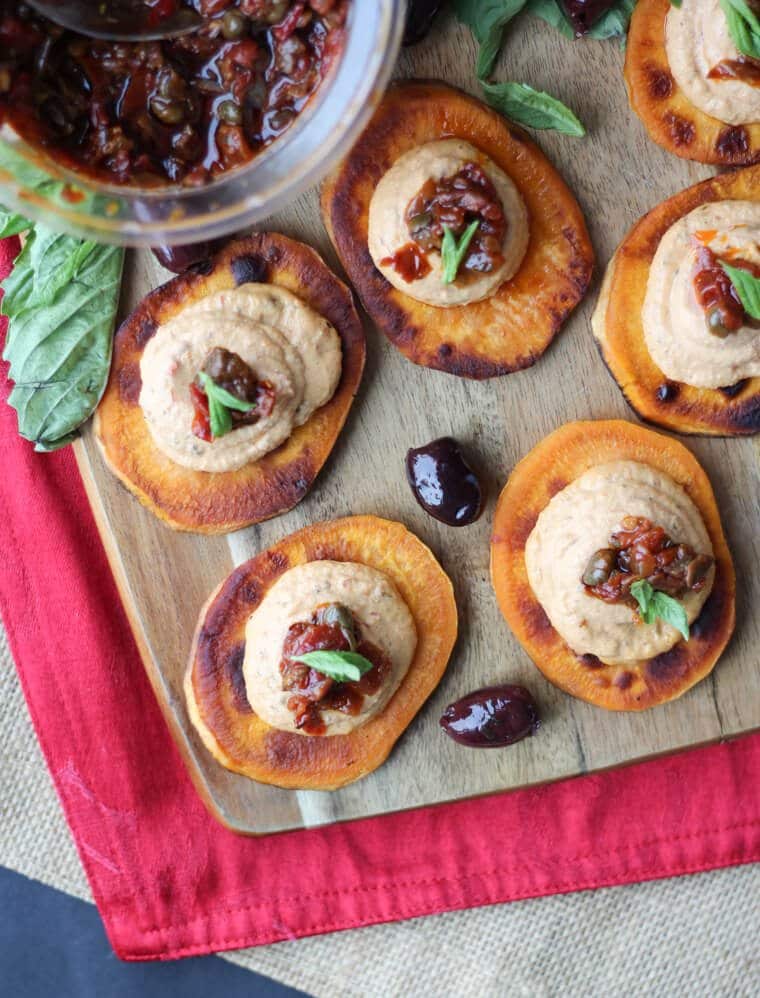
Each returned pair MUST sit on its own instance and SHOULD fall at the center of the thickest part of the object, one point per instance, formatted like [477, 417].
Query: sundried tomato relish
[715, 293]
[642, 550]
[455, 202]
[179, 111]
[228, 370]
[312, 691]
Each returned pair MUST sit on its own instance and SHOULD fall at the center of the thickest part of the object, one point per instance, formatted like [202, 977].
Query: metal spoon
[119, 20]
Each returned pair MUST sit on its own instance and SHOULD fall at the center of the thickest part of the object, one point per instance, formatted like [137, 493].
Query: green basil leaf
[671, 611]
[60, 334]
[642, 592]
[12, 224]
[487, 19]
[46, 264]
[222, 395]
[220, 419]
[747, 287]
[551, 12]
[675, 3]
[614, 22]
[532, 108]
[743, 26]
[342, 666]
[453, 252]
[654, 604]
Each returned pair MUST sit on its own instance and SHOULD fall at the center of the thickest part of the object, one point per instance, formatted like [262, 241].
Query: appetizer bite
[693, 77]
[610, 565]
[230, 385]
[312, 658]
[463, 242]
[678, 317]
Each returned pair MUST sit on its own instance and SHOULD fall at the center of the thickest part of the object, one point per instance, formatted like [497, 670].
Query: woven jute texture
[692, 936]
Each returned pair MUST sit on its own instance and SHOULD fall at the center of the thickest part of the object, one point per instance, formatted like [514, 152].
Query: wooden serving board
[164, 577]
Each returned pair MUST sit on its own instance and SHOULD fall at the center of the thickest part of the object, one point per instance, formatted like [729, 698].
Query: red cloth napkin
[170, 882]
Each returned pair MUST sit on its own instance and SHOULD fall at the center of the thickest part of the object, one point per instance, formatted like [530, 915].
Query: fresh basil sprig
[743, 26]
[453, 252]
[342, 666]
[220, 402]
[747, 287]
[61, 299]
[532, 108]
[653, 604]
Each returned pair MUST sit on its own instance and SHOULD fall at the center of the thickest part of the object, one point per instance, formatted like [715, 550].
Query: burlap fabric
[690, 936]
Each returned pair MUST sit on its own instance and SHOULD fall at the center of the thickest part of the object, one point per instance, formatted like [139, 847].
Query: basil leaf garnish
[613, 23]
[743, 26]
[61, 299]
[342, 666]
[747, 287]
[453, 252]
[220, 401]
[532, 108]
[653, 604]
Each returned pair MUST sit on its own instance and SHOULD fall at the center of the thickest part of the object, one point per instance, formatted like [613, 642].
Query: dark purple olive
[179, 258]
[443, 482]
[492, 717]
[583, 14]
[419, 19]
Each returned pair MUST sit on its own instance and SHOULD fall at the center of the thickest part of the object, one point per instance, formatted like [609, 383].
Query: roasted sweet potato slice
[511, 329]
[555, 462]
[214, 685]
[668, 116]
[217, 502]
[733, 410]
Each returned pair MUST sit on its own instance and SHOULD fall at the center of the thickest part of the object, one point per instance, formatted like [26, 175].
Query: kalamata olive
[443, 482]
[583, 14]
[600, 566]
[492, 717]
[419, 19]
[179, 258]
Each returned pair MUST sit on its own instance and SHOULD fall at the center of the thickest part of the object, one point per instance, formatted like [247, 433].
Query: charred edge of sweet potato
[219, 502]
[510, 330]
[733, 410]
[667, 114]
[568, 453]
[240, 740]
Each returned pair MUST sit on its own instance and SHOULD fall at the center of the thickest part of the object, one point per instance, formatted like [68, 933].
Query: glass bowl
[32, 184]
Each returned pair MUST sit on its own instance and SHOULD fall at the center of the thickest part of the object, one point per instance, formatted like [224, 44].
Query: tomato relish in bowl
[179, 111]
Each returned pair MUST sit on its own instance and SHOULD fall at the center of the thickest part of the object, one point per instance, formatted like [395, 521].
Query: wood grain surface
[617, 174]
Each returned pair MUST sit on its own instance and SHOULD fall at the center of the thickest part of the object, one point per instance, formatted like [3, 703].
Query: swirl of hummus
[382, 615]
[282, 339]
[676, 327]
[388, 230]
[697, 40]
[578, 521]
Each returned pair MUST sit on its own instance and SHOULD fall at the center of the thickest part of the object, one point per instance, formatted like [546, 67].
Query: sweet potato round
[217, 502]
[733, 410]
[555, 462]
[508, 331]
[669, 117]
[215, 689]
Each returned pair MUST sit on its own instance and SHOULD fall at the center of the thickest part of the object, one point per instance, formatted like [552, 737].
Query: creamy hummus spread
[581, 519]
[388, 230]
[378, 608]
[676, 327]
[277, 334]
[697, 40]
